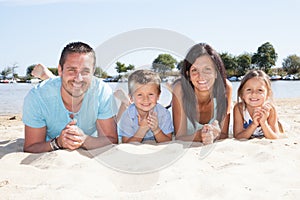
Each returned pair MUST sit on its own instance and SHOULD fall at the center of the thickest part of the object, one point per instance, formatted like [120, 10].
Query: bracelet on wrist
[54, 144]
[56, 141]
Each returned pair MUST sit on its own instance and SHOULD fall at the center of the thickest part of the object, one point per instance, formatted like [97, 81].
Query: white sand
[229, 169]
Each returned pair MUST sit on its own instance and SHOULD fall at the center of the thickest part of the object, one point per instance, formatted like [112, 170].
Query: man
[73, 110]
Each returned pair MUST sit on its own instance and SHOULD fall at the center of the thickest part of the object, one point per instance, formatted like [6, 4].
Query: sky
[35, 31]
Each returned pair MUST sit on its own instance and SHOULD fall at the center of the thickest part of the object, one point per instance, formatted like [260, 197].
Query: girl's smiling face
[255, 92]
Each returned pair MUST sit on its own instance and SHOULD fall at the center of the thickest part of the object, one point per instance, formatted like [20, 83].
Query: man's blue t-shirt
[43, 106]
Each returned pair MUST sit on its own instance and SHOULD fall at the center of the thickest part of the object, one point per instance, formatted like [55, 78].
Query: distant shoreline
[13, 94]
[276, 100]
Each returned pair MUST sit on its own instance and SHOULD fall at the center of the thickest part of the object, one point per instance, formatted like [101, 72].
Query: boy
[145, 119]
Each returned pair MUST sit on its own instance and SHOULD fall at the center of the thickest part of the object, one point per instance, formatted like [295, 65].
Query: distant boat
[290, 77]
[34, 80]
[123, 79]
[8, 81]
[275, 77]
[233, 78]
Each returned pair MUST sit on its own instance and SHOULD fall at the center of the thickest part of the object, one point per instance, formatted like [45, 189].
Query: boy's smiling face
[145, 96]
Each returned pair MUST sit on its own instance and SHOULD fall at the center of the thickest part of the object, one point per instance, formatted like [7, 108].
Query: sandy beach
[228, 169]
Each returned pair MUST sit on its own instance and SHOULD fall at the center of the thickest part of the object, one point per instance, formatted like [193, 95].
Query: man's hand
[72, 137]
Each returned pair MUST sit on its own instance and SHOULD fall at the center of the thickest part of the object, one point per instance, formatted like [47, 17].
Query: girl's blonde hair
[255, 74]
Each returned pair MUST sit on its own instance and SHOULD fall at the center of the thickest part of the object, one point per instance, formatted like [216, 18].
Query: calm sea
[12, 95]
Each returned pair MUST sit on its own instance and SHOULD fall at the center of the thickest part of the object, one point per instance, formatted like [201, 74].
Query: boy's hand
[142, 121]
[153, 121]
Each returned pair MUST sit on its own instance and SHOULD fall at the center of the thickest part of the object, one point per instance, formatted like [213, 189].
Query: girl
[255, 115]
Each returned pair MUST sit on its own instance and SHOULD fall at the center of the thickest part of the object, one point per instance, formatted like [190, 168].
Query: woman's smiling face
[203, 73]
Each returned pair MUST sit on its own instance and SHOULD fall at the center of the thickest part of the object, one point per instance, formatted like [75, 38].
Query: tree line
[264, 59]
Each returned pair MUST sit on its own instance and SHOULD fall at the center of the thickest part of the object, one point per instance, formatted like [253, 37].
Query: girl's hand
[265, 113]
[256, 116]
[153, 121]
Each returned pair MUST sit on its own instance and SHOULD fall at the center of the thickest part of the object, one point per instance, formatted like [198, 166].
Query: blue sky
[35, 31]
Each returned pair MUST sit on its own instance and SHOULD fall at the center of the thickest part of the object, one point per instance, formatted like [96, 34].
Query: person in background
[201, 97]
[42, 72]
[145, 119]
[255, 115]
[74, 110]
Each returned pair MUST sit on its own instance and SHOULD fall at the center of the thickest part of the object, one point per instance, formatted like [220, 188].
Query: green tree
[244, 64]
[29, 70]
[54, 71]
[179, 65]
[121, 67]
[163, 63]
[13, 70]
[265, 57]
[100, 73]
[230, 63]
[130, 67]
[291, 64]
[6, 71]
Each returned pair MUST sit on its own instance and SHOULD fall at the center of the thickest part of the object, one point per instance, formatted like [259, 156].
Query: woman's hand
[207, 136]
[210, 132]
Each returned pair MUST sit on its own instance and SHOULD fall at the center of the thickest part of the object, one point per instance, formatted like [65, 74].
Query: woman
[201, 97]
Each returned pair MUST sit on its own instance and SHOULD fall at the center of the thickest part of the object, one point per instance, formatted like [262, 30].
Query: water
[281, 89]
[12, 95]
